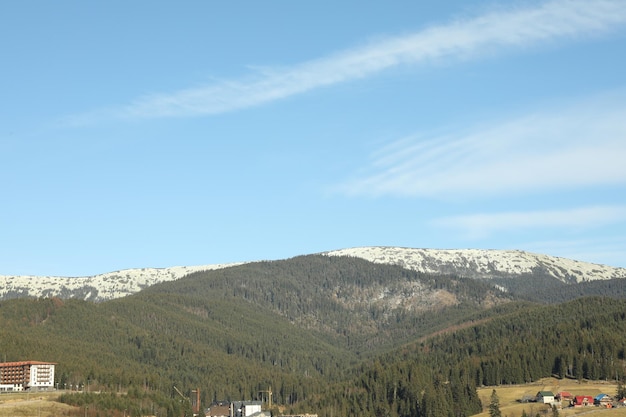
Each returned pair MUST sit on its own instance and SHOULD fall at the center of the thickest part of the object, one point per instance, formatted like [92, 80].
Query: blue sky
[154, 134]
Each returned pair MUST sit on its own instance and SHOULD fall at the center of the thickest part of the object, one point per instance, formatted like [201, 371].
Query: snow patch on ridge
[98, 287]
[470, 263]
[483, 263]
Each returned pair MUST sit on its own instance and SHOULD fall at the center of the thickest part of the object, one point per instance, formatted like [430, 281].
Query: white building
[245, 408]
[18, 376]
[545, 397]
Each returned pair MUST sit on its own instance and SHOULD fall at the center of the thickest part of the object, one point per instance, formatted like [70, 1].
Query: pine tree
[621, 391]
[494, 405]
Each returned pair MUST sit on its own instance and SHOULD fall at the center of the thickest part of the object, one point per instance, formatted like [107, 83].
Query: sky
[158, 134]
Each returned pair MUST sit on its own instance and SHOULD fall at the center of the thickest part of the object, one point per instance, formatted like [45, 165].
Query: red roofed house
[563, 396]
[582, 400]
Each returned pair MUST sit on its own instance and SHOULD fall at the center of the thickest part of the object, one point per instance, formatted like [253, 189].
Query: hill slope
[356, 301]
[438, 375]
[296, 324]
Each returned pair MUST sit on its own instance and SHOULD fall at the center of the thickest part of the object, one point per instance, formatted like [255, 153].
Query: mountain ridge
[470, 263]
[484, 263]
[98, 287]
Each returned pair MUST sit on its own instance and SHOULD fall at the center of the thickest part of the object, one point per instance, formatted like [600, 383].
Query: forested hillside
[581, 339]
[354, 303]
[332, 336]
[545, 289]
[295, 325]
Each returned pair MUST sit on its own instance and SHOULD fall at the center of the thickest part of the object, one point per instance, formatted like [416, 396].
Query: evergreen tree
[494, 405]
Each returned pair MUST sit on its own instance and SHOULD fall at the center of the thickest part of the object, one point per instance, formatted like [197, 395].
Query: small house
[603, 400]
[564, 396]
[545, 397]
[582, 400]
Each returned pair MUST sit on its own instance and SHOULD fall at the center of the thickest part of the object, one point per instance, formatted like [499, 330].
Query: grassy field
[45, 405]
[32, 405]
[510, 395]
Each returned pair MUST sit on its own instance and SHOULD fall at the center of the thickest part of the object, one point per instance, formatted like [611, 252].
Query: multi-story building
[18, 376]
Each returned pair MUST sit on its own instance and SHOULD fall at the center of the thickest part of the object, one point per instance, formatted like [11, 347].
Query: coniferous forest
[330, 336]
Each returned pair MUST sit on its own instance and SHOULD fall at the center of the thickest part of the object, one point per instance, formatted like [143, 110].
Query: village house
[603, 400]
[545, 397]
[564, 396]
[582, 400]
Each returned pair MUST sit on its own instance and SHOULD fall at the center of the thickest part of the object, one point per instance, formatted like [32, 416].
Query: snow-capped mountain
[484, 263]
[98, 287]
[471, 263]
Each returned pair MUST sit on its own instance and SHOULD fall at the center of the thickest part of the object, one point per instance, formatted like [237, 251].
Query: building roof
[580, 398]
[545, 394]
[22, 363]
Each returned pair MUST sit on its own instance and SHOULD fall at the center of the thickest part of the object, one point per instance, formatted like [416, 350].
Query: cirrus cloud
[577, 146]
[461, 39]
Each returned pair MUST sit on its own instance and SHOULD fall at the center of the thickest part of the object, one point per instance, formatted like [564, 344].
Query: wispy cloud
[477, 226]
[464, 39]
[582, 145]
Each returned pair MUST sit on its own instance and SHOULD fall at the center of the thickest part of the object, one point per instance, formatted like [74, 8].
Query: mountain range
[374, 331]
[504, 267]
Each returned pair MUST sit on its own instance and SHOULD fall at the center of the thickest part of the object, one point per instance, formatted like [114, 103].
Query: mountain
[295, 325]
[504, 267]
[352, 301]
[524, 275]
[100, 287]
[331, 335]
[485, 263]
